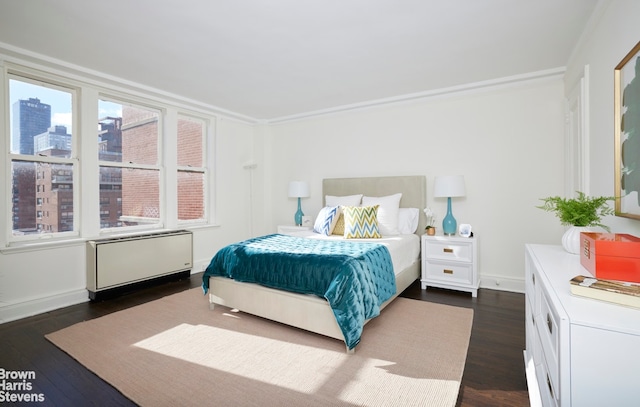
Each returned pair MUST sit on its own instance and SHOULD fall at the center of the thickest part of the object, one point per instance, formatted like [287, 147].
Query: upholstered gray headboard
[413, 188]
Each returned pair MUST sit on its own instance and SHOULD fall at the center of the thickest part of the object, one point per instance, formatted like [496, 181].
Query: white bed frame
[310, 312]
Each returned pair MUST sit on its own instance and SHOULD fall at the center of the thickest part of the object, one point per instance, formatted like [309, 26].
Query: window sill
[22, 247]
[43, 244]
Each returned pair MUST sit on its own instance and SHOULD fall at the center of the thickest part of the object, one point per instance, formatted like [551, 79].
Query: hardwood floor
[493, 376]
[494, 371]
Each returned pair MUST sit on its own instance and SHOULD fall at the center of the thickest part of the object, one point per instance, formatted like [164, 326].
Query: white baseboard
[502, 284]
[200, 265]
[29, 308]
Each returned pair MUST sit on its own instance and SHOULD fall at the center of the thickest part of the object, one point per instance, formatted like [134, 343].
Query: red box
[611, 256]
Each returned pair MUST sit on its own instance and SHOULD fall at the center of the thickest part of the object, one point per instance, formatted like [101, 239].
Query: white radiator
[115, 262]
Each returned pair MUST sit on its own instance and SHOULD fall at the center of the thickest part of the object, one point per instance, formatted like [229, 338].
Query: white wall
[507, 141]
[614, 32]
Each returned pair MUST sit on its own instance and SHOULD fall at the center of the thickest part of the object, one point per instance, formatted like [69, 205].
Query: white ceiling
[270, 59]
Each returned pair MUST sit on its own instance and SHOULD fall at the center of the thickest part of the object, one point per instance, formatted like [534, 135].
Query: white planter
[571, 239]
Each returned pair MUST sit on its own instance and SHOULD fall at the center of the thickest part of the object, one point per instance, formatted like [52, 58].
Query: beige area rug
[176, 351]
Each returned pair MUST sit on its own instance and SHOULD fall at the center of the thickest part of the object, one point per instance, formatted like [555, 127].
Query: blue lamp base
[449, 224]
[299, 214]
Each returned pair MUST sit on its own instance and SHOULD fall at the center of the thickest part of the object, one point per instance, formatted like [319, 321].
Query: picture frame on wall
[627, 134]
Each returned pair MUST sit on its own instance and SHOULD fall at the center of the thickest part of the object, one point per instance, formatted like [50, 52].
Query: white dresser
[450, 262]
[579, 351]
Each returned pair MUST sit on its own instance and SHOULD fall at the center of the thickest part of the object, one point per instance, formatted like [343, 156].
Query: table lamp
[298, 189]
[449, 186]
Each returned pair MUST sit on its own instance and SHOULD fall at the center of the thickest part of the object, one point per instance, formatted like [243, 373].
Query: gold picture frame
[627, 134]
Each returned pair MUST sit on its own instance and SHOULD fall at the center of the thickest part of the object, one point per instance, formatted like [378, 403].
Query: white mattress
[404, 249]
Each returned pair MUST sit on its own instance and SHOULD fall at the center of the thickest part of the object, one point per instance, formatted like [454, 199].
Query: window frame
[203, 169]
[51, 82]
[158, 166]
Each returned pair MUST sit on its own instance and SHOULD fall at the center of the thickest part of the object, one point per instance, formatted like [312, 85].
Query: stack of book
[617, 292]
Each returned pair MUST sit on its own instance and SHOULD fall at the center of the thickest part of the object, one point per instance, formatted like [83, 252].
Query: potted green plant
[580, 213]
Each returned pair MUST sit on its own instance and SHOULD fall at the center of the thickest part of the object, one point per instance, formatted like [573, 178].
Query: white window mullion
[90, 177]
[170, 185]
[5, 167]
[211, 147]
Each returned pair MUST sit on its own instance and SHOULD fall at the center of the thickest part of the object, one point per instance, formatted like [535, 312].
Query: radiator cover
[116, 262]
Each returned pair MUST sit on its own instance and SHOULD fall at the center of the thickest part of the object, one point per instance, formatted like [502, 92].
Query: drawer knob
[549, 324]
[550, 386]
[447, 250]
[447, 271]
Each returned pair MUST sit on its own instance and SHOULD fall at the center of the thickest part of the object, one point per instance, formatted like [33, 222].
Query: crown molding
[21, 57]
[13, 55]
[508, 81]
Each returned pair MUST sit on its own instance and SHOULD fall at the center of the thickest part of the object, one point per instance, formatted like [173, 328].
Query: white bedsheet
[404, 249]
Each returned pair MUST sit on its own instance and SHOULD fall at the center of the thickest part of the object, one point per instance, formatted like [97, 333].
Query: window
[191, 170]
[42, 157]
[123, 150]
[129, 164]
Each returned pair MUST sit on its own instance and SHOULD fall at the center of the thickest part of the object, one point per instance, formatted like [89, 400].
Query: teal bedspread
[354, 277]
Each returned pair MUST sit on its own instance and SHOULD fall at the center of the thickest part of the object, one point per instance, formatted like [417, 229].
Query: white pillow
[387, 212]
[408, 220]
[326, 220]
[348, 200]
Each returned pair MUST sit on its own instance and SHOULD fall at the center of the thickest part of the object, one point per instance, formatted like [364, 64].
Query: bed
[312, 312]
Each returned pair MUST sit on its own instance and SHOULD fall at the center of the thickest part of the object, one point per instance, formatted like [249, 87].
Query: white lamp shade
[448, 186]
[298, 189]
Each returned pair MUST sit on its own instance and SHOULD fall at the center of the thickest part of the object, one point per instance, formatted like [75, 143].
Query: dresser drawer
[447, 250]
[548, 387]
[531, 286]
[548, 327]
[459, 273]
[530, 329]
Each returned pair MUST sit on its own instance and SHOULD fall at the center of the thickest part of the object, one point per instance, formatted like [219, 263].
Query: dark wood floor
[494, 371]
[493, 376]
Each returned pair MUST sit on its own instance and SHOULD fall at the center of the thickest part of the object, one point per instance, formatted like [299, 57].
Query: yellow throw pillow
[338, 229]
[361, 222]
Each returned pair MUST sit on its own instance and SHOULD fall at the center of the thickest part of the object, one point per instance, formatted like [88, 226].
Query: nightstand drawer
[461, 273]
[448, 250]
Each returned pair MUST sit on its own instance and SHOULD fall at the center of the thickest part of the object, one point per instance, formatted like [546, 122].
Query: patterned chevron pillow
[327, 219]
[361, 222]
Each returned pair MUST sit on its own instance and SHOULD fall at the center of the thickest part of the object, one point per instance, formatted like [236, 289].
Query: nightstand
[450, 262]
[289, 229]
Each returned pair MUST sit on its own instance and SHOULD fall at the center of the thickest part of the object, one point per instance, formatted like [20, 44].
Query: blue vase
[449, 224]
[299, 214]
